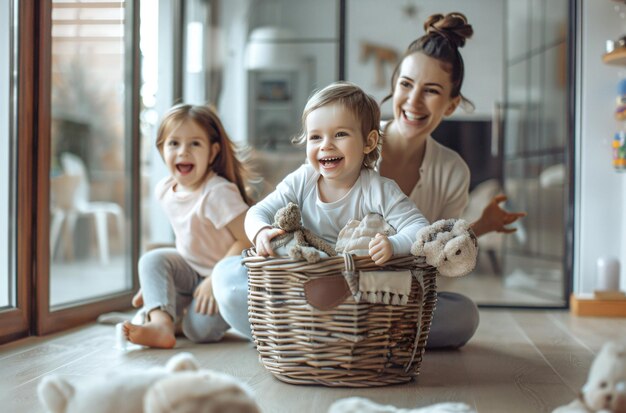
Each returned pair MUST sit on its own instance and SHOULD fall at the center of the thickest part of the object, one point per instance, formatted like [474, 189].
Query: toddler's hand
[205, 302]
[380, 249]
[263, 239]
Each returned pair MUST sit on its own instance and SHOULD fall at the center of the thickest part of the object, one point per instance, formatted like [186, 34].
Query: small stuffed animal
[448, 244]
[362, 405]
[605, 389]
[306, 245]
[355, 236]
[179, 387]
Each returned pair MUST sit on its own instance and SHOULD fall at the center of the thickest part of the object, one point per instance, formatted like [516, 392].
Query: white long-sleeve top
[442, 191]
[370, 194]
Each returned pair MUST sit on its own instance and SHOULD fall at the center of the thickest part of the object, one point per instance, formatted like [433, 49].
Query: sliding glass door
[90, 178]
[69, 162]
[89, 164]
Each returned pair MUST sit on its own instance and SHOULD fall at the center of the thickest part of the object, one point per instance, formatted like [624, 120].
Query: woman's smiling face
[421, 96]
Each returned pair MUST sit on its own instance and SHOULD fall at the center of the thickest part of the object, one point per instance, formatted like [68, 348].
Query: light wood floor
[519, 361]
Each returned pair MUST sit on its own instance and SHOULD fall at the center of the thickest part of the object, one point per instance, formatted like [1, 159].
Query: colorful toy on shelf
[620, 110]
[619, 151]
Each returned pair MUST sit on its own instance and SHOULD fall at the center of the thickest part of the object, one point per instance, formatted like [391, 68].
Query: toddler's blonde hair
[359, 103]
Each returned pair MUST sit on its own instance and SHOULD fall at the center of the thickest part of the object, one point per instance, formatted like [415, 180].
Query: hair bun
[453, 26]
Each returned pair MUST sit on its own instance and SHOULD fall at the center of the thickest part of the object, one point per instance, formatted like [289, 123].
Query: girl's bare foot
[137, 300]
[158, 332]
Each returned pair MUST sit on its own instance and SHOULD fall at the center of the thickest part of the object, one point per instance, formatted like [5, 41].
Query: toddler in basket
[340, 126]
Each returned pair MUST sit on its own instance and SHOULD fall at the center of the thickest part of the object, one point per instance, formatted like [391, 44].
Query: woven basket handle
[351, 275]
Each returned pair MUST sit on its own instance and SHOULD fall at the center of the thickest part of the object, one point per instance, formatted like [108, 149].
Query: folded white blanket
[385, 287]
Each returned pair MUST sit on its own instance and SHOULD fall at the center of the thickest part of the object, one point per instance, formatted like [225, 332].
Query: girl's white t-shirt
[199, 219]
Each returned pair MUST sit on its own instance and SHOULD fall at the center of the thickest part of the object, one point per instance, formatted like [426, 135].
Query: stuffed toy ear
[182, 362]
[54, 393]
[460, 227]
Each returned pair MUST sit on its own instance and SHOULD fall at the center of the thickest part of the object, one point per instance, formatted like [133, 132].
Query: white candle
[120, 338]
[607, 278]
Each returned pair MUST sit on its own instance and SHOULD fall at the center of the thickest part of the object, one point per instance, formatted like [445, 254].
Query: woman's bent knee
[229, 277]
[230, 289]
[454, 322]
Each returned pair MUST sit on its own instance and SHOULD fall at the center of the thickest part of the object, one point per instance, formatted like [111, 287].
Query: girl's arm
[241, 240]
[203, 294]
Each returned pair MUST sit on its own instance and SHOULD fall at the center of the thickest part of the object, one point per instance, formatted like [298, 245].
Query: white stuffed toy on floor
[361, 405]
[448, 244]
[180, 387]
[605, 389]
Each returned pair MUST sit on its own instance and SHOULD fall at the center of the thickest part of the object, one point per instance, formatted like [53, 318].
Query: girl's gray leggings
[454, 322]
[167, 283]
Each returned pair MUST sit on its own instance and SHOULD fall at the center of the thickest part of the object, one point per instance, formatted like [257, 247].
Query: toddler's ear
[371, 141]
[54, 393]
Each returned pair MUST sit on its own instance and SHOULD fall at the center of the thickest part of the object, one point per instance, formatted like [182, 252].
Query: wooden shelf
[617, 57]
[590, 306]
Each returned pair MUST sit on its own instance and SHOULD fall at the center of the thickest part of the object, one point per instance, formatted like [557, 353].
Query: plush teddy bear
[300, 242]
[605, 389]
[179, 387]
[448, 244]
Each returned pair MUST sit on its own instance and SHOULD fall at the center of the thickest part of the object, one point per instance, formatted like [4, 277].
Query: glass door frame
[47, 321]
[16, 320]
[569, 207]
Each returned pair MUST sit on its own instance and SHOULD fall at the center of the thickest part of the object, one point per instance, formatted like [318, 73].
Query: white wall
[234, 22]
[396, 30]
[600, 191]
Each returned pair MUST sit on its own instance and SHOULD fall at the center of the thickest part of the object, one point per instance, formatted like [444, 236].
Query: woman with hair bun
[425, 88]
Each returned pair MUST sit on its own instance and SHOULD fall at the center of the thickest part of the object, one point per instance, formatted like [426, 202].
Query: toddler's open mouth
[330, 161]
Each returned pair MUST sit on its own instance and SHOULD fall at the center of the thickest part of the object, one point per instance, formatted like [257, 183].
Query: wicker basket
[353, 344]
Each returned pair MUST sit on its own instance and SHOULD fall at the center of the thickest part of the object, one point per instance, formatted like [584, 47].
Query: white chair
[80, 205]
[62, 190]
